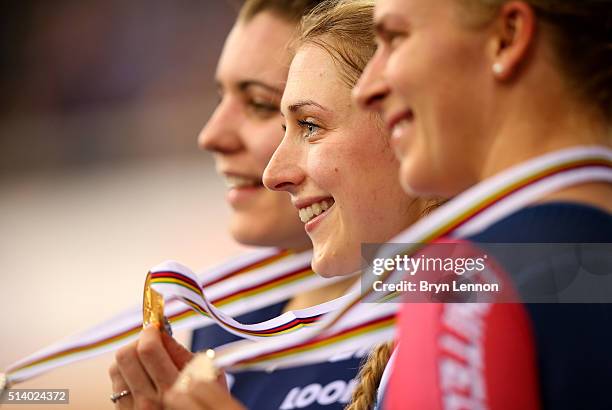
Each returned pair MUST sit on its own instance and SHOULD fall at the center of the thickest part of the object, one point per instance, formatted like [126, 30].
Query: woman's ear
[512, 37]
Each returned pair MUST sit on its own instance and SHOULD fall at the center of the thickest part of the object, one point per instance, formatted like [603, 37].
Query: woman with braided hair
[336, 163]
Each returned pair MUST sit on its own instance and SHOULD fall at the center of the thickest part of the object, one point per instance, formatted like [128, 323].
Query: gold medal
[152, 306]
[200, 368]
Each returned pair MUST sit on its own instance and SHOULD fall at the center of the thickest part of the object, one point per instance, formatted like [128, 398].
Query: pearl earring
[498, 68]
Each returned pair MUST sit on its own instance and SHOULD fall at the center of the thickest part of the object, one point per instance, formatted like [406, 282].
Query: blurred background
[100, 176]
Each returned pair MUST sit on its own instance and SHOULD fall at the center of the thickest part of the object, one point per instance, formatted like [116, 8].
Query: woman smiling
[335, 161]
[509, 97]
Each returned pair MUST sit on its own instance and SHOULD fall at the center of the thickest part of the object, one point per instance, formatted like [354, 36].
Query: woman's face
[431, 82]
[244, 131]
[337, 164]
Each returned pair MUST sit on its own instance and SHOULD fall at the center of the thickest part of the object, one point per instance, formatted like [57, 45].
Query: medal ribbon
[356, 325]
[245, 283]
[174, 280]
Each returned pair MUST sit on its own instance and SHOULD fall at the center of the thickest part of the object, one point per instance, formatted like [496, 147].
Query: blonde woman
[473, 90]
[334, 160]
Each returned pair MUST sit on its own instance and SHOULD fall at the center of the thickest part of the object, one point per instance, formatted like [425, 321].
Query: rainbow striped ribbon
[174, 280]
[356, 324]
[244, 283]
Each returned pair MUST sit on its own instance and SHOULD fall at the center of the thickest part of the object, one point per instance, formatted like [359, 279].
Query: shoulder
[551, 222]
[572, 340]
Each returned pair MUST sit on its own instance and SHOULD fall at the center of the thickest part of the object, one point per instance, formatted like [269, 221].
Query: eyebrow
[381, 28]
[246, 84]
[304, 103]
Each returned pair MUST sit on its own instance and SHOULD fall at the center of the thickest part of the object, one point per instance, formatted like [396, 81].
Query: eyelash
[306, 126]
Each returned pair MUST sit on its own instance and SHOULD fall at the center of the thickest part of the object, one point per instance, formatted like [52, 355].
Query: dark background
[86, 82]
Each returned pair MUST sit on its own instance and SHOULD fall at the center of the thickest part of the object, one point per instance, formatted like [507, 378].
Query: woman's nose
[284, 172]
[371, 89]
[221, 134]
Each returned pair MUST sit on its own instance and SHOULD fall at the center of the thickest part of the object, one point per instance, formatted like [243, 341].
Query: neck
[535, 112]
[529, 132]
[302, 247]
[320, 295]
[539, 127]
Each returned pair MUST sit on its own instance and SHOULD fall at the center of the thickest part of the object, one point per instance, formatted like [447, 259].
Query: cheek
[326, 171]
[400, 68]
[371, 184]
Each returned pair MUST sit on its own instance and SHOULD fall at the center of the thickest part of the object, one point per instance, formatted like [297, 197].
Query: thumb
[178, 353]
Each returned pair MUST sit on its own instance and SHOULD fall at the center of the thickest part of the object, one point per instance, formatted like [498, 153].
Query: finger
[138, 382]
[175, 400]
[155, 359]
[118, 385]
[178, 353]
[213, 395]
[222, 380]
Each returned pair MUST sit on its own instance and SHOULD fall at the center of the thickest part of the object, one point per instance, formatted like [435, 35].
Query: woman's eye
[262, 109]
[309, 128]
[395, 40]
[391, 38]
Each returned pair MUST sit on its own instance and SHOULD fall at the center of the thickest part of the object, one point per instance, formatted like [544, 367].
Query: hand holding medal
[196, 386]
[201, 367]
[152, 366]
[146, 368]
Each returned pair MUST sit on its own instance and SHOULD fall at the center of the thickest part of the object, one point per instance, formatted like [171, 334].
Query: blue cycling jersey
[572, 341]
[324, 386]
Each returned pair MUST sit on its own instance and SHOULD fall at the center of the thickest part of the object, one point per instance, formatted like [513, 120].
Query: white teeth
[398, 129]
[233, 181]
[309, 212]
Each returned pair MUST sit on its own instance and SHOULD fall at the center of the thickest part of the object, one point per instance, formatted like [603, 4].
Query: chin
[269, 234]
[249, 233]
[416, 181]
[334, 265]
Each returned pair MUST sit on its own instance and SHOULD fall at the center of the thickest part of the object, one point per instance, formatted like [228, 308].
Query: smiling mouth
[312, 211]
[400, 123]
[238, 181]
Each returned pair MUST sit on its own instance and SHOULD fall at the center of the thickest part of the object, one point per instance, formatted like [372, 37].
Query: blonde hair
[364, 395]
[343, 28]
